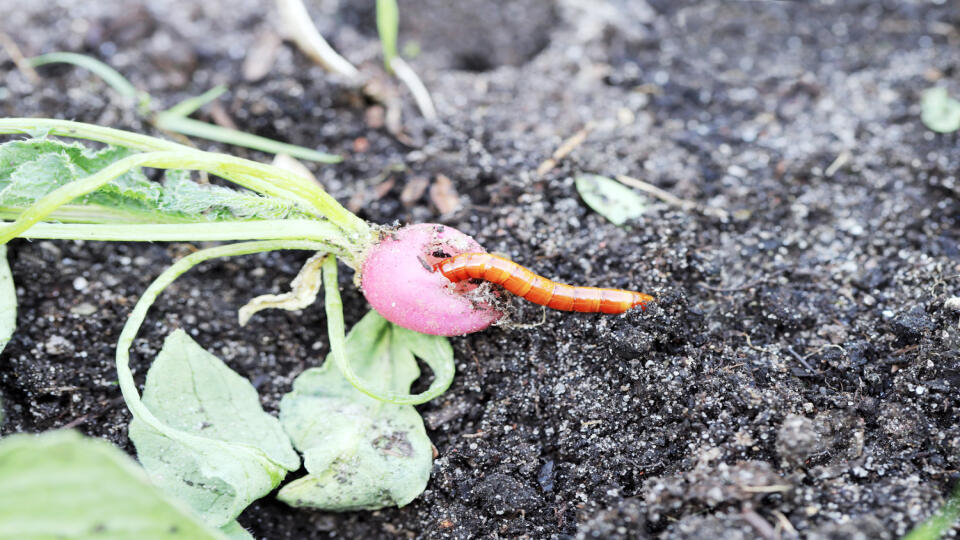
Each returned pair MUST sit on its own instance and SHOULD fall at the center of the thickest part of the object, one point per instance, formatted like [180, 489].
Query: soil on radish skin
[800, 370]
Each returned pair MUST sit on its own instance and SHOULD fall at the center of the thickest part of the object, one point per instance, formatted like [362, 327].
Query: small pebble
[83, 309]
[57, 345]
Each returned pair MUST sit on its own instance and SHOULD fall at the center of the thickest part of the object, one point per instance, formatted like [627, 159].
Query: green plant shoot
[199, 429]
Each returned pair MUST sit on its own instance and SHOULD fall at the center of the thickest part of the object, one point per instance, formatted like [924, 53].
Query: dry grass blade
[669, 198]
[564, 149]
[13, 51]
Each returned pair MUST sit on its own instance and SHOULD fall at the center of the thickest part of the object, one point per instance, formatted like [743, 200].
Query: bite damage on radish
[399, 281]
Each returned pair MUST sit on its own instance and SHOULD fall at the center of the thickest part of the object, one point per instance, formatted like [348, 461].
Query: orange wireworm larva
[538, 289]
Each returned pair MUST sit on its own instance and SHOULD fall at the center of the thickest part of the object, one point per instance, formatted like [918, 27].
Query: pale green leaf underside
[33, 168]
[234, 453]
[8, 304]
[235, 531]
[61, 485]
[939, 111]
[610, 198]
[361, 453]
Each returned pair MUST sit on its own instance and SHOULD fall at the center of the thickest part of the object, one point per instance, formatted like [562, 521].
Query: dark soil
[800, 370]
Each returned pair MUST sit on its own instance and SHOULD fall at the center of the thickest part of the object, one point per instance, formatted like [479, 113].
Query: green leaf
[183, 196]
[274, 182]
[235, 531]
[217, 449]
[361, 453]
[610, 198]
[61, 485]
[435, 351]
[388, 24]
[8, 304]
[937, 525]
[938, 111]
[33, 168]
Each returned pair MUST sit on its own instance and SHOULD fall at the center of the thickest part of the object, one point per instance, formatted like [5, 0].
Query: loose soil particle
[800, 370]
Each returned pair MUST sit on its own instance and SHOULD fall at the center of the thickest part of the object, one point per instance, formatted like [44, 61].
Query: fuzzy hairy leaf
[30, 169]
[62, 485]
[227, 452]
[610, 198]
[361, 453]
[235, 531]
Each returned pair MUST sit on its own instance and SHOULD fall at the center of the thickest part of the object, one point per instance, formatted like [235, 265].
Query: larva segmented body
[538, 289]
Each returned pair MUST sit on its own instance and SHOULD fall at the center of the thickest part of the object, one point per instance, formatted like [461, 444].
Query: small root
[508, 323]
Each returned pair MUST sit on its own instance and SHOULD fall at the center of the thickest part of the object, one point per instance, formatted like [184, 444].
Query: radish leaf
[937, 525]
[62, 485]
[33, 168]
[938, 111]
[610, 198]
[235, 531]
[217, 449]
[361, 453]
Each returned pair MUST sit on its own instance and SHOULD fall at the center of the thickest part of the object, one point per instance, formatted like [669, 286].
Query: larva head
[641, 299]
[399, 281]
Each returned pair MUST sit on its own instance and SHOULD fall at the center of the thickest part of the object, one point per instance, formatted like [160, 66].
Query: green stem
[336, 331]
[316, 231]
[194, 128]
[192, 104]
[127, 385]
[79, 130]
[388, 26]
[236, 169]
[111, 76]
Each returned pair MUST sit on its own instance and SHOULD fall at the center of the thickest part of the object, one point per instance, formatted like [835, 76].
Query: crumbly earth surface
[799, 374]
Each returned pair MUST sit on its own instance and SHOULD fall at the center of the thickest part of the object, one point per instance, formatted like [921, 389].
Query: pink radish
[398, 280]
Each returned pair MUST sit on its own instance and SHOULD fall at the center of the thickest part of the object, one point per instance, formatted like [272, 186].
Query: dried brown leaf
[444, 196]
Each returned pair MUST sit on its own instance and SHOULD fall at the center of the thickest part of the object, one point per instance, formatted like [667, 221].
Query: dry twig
[564, 149]
[11, 48]
[669, 198]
